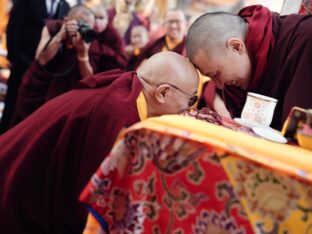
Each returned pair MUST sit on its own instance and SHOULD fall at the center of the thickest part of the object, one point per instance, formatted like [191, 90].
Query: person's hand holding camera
[62, 34]
[71, 28]
[81, 46]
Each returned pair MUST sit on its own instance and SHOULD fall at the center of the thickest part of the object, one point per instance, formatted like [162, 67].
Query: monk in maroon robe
[255, 51]
[173, 40]
[46, 160]
[139, 39]
[111, 46]
[54, 73]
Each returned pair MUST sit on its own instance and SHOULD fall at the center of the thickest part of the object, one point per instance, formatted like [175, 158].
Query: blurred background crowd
[131, 31]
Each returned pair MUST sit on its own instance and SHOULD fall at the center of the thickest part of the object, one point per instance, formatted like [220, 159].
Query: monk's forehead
[139, 30]
[175, 15]
[84, 15]
[80, 11]
[100, 11]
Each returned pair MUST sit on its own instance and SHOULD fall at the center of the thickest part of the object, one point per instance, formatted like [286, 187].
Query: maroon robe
[280, 49]
[153, 48]
[132, 61]
[112, 50]
[42, 83]
[47, 159]
[206, 100]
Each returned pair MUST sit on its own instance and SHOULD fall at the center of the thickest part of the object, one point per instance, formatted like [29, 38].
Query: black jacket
[26, 22]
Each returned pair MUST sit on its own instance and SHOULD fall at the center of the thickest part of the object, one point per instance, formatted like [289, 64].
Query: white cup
[258, 110]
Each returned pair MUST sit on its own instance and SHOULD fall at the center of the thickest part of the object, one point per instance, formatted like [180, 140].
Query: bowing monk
[255, 51]
[46, 160]
[173, 40]
[65, 56]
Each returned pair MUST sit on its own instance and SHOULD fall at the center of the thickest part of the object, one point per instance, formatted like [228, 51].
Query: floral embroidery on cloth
[167, 182]
[164, 187]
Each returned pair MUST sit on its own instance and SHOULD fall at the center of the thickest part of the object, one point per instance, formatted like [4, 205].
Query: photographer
[69, 51]
[26, 20]
[76, 32]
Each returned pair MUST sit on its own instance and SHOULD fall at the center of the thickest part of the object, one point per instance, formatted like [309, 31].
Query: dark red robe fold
[42, 83]
[152, 48]
[206, 100]
[110, 49]
[47, 159]
[280, 48]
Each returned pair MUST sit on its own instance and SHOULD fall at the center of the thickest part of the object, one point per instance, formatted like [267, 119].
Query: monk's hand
[62, 34]
[129, 49]
[71, 28]
[204, 114]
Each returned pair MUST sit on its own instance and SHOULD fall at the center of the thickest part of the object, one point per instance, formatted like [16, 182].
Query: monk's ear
[161, 93]
[236, 45]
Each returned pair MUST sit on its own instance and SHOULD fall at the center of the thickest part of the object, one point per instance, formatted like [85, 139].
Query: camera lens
[86, 32]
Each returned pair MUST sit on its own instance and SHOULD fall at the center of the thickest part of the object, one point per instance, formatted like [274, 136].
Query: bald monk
[255, 51]
[46, 160]
[64, 58]
[173, 40]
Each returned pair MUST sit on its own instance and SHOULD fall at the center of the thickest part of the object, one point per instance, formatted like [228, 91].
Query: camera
[87, 33]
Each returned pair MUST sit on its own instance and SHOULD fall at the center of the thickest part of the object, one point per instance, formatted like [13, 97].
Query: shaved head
[216, 45]
[168, 67]
[79, 9]
[211, 31]
[140, 28]
[99, 8]
[170, 82]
